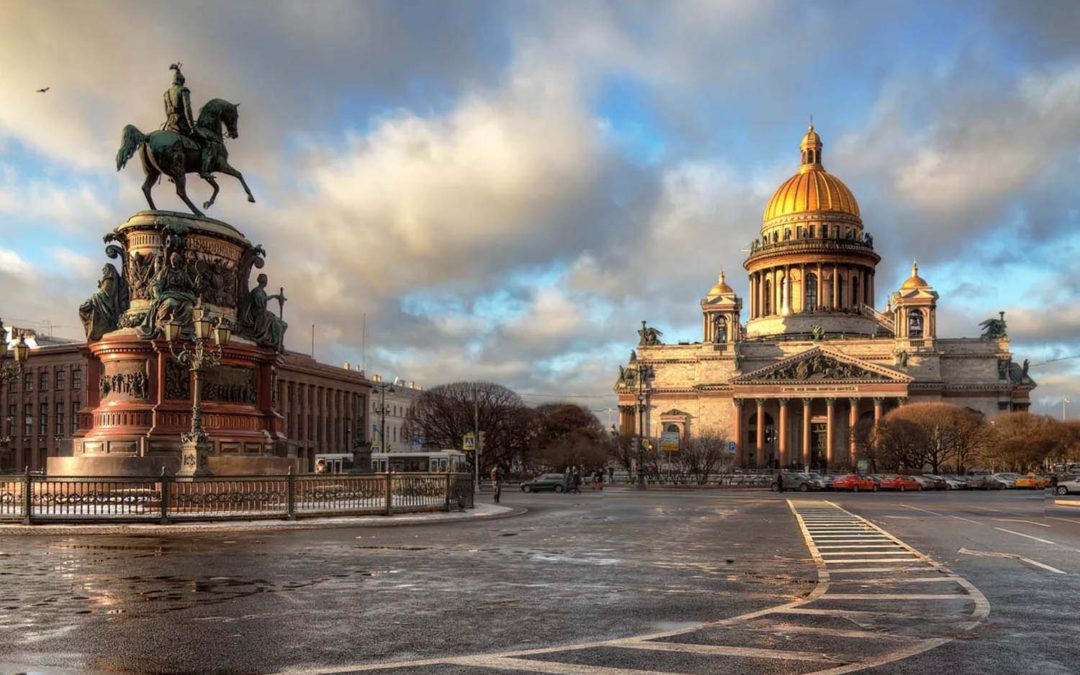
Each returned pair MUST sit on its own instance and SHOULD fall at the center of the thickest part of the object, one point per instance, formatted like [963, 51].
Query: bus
[437, 461]
[334, 462]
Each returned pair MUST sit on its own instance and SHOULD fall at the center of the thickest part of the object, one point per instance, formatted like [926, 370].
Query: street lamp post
[200, 354]
[11, 370]
[382, 387]
[642, 373]
[1064, 407]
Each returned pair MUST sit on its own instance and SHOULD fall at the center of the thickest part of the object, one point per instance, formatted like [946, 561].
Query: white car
[1009, 479]
[1071, 486]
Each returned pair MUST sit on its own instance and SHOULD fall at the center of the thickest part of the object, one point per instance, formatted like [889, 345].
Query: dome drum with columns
[816, 364]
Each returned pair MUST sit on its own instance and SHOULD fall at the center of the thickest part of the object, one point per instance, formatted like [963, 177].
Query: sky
[505, 190]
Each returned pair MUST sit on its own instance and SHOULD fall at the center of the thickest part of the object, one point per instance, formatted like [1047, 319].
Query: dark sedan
[548, 481]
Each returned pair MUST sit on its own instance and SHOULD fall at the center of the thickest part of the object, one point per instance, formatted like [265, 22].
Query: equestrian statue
[184, 144]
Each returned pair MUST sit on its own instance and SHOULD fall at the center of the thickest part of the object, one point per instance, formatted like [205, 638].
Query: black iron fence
[30, 498]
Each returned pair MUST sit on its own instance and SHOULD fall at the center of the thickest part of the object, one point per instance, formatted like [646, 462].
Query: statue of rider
[178, 118]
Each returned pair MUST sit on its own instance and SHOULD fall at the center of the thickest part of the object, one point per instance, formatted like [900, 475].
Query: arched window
[767, 307]
[811, 292]
[915, 323]
[720, 329]
[855, 298]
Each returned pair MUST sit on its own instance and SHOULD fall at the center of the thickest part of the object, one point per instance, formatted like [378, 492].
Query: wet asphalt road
[575, 568]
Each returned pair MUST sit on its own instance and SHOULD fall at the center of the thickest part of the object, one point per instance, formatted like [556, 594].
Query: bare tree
[951, 433]
[1022, 441]
[442, 416]
[899, 444]
[569, 435]
[702, 455]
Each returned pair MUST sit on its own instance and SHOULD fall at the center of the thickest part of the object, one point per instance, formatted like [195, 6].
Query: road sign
[375, 447]
[468, 444]
[669, 441]
[731, 446]
[863, 465]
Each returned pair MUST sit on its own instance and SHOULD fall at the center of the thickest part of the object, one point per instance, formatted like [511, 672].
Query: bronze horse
[169, 153]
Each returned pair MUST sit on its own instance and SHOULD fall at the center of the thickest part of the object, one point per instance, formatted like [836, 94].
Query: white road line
[724, 650]
[1074, 521]
[507, 664]
[903, 580]
[816, 611]
[852, 570]
[898, 596]
[848, 561]
[853, 546]
[941, 515]
[853, 553]
[1018, 520]
[1027, 536]
[817, 630]
[1013, 556]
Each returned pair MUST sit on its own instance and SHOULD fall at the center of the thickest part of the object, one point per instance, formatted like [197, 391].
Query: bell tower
[914, 308]
[720, 310]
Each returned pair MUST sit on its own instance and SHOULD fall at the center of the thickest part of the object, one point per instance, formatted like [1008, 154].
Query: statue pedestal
[193, 453]
[139, 397]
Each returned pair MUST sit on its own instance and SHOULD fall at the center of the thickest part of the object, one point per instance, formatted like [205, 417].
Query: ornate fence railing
[30, 498]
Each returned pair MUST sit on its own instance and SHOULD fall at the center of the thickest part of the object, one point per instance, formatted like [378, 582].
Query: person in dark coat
[779, 482]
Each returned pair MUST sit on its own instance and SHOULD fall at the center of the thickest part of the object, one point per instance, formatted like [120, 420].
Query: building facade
[390, 405]
[323, 408]
[815, 363]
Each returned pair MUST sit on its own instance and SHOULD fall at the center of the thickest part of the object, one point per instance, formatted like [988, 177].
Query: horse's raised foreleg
[181, 190]
[227, 168]
[213, 183]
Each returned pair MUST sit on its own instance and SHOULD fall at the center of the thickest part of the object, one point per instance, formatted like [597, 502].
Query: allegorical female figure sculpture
[173, 297]
[257, 322]
[101, 312]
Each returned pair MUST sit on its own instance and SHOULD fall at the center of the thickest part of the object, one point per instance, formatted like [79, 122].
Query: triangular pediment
[822, 365]
[674, 412]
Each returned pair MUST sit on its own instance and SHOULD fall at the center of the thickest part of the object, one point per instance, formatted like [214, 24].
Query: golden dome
[914, 281]
[812, 189]
[720, 288]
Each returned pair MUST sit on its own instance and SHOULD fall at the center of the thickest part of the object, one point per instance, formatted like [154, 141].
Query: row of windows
[58, 380]
[62, 423]
[811, 232]
[394, 410]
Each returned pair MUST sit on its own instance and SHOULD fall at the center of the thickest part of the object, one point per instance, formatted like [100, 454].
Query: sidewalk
[481, 512]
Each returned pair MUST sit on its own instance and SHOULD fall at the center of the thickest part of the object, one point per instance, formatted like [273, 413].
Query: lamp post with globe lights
[201, 353]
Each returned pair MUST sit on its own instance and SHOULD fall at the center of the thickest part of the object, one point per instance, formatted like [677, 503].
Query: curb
[259, 526]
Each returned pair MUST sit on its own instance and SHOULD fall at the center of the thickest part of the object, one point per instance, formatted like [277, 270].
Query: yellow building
[815, 362]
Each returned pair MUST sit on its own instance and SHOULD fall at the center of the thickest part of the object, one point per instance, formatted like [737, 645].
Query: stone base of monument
[139, 394]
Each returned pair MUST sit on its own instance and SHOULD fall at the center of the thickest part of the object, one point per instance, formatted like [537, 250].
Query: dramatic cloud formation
[504, 190]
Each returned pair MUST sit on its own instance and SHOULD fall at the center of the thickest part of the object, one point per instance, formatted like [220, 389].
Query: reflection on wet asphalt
[576, 567]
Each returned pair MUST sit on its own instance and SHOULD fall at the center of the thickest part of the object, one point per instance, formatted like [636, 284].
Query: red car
[901, 483]
[854, 483]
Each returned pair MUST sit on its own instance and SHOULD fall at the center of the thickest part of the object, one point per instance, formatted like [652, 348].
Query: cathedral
[815, 364]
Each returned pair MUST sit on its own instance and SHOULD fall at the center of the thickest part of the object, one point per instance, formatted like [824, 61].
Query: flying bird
[42, 91]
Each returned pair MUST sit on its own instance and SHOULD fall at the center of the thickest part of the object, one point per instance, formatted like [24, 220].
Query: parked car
[925, 482]
[803, 482]
[855, 483]
[1070, 485]
[1009, 479]
[1032, 482]
[936, 482]
[826, 481]
[548, 481]
[984, 482]
[955, 482]
[900, 483]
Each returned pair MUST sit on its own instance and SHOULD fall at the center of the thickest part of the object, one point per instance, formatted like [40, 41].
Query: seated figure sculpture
[258, 323]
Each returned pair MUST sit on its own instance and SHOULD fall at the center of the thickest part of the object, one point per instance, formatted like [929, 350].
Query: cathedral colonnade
[817, 432]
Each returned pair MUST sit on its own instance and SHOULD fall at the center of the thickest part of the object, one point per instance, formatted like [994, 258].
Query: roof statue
[994, 329]
[185, 144]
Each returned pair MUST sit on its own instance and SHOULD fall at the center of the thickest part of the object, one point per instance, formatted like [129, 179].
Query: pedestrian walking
[779, 481]
[577, 481]
[496, 489]
[568, 480]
